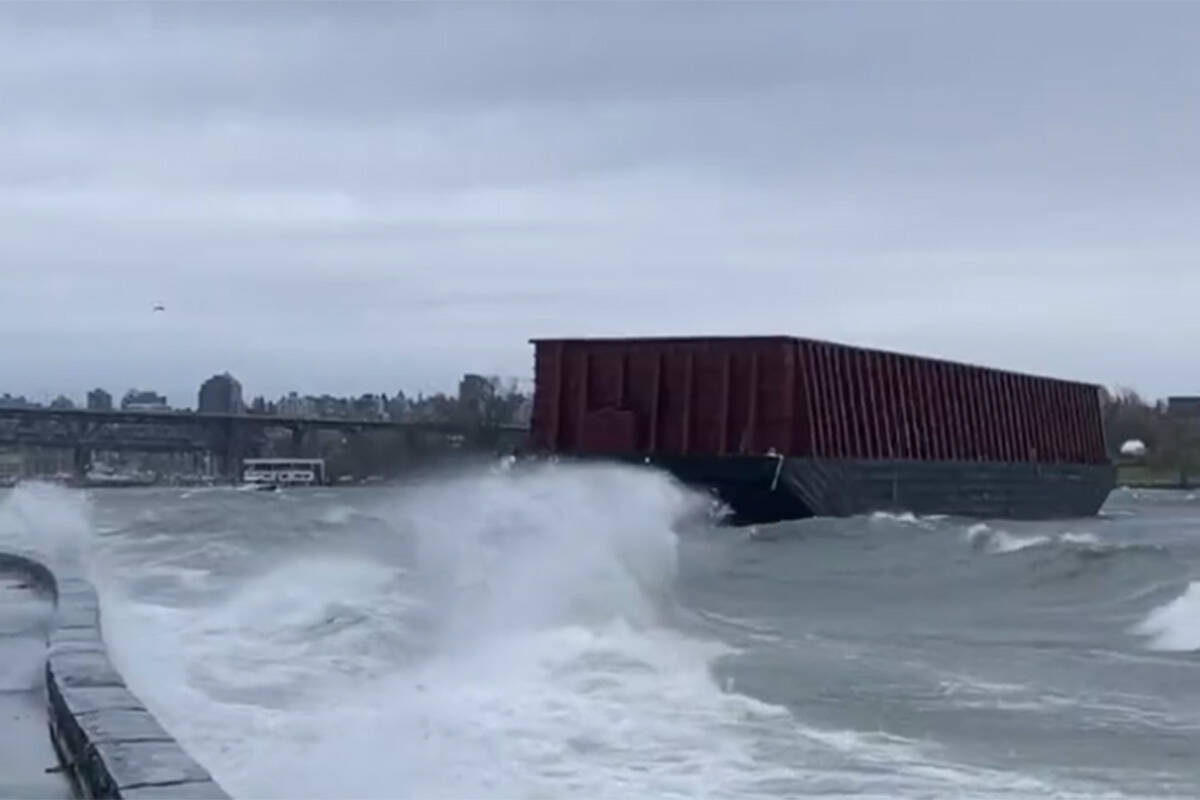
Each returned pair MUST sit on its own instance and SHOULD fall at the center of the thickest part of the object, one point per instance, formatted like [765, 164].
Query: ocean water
[584, 632]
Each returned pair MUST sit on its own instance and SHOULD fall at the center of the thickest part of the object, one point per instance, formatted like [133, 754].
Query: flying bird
[159, 307]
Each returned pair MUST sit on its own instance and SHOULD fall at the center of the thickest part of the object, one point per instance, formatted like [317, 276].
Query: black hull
[763, 489]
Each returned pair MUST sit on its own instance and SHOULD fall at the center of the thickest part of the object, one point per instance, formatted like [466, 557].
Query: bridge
[230, 437]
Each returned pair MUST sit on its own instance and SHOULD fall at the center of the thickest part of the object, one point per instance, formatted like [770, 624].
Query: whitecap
[1175, 625]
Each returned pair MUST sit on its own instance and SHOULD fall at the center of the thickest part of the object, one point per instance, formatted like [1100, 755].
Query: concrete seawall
[107, 742]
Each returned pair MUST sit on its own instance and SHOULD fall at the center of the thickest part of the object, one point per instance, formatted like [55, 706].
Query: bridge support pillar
[300, 439]
[231, 453]
[81, 461]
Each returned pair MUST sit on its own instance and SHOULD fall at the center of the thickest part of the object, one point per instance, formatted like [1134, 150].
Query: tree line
[1172, 440]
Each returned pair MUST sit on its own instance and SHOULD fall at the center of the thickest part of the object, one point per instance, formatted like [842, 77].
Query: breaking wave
[520, 648]
[1175, 625]
[993, 541]
[982, 537]
[511, 633]
[49, 522]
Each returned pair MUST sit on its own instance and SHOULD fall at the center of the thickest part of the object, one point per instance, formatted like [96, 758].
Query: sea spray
[1175, 625]
[520, 652]
[503, 635]
[50, 522]
[548, 546]
[998, 542]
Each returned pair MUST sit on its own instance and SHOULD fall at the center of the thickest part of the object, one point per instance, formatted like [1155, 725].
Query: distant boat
[268, 474]
[111, 480]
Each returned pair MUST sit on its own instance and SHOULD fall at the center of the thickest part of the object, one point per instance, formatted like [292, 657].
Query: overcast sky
[357, 198]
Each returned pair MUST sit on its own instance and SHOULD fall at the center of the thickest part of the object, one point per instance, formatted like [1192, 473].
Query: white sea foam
[527, 652]
[337, 515]
[545, 668]
[1087, 539]
[48, 521]
[905, 517]
[1003, 542]
[1175, 625]
[999, 542]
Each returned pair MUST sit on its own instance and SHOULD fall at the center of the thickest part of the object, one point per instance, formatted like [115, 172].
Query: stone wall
[106, 740]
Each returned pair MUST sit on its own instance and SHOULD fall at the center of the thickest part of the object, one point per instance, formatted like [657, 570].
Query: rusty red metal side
[1098, 450]
[827, 413]
[912, 421]
[841, 410]
[881, 399]
[971, 451]
[724, 396]
[1043, 413]
[952, 437]
[969, 447]
[806, 432]
[1007, 416]
[930, 423]
[1079, 411]
[1053, 422]
[1020, 384]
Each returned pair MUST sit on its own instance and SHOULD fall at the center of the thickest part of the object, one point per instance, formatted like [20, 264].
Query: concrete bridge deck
[26, 753]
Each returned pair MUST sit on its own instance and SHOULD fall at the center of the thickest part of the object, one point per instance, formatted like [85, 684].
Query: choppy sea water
[581, 632]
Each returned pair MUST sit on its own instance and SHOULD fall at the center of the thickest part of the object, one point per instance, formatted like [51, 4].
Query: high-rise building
[296, 406]
[144, 400]
[474, 391]
[8, 401]
[221, 394]
[99, 400]
[369, 406]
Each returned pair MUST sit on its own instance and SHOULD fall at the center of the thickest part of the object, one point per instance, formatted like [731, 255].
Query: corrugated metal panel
[1068, 421]
[804, 397]
[882, 400]
[1046, 425]
[1092, 426]
[1025, 445]
[923, 409]
[1099, 451]
[975, 405]
[963, 450]
[1062, 422]
[912, 432]
[1008, 417]
[1080, 414]
[1058, 436]
[804, 433]
[891, 408]
[945, 425]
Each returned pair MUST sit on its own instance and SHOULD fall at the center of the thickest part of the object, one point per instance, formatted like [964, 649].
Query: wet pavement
[25, 750]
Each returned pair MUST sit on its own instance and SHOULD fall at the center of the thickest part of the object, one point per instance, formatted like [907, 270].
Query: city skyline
[101, 398]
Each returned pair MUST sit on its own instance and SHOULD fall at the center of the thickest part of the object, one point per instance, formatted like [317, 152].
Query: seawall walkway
[28, 764]
[70, 708]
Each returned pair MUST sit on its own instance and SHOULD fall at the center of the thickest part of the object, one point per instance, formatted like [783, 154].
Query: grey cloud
[345, 197]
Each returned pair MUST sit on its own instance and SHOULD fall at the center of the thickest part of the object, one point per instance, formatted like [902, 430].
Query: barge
[781, 427]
